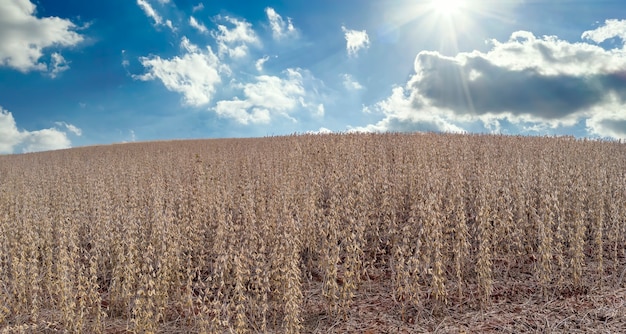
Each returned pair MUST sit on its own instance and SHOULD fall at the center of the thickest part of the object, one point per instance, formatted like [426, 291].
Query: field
[362, 233]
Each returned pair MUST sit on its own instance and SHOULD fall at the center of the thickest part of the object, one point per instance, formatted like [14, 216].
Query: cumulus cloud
[350, 83]
[355, 40]
[608, 127]
[152, 13]
[195, 74]
[23, 36]
[268, 96]
[197, 25]
[234, 41]
[280, 28]
[529, 81]
[476, 85]
[14, 140]
[10, 136]
[45, 140]
[608, 120]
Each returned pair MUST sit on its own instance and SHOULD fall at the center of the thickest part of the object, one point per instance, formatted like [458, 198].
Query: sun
[448, 7]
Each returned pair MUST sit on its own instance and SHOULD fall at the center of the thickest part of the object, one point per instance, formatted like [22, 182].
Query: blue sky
[76, 72]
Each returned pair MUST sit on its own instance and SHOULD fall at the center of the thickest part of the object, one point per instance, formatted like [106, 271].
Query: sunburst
[448, 7]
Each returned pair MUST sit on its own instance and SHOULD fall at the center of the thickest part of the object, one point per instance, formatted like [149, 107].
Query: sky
[76, 73]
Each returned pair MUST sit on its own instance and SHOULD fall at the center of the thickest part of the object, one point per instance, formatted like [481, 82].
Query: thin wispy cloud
[197, 25]
[280, 28]
[198, 7]
[150, 12]
[350, 83]
[71, 128]
[260, 62]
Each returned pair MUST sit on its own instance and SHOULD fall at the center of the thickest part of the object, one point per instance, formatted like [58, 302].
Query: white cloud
[152, 13]
[197, 25]
[608, 120]
[400, 115]
[234, 41]
[58, 65]
[526, 82]
[268, 96]
[548, 56]
[321, 110]
[23, 36]
[12, 139]
[242, 111]
[241, 32]
[355, 40]
[45, 140]
[321, 131]
[610, 29]
[280, 28]
[169, 24]
[198, 7]
[10, 136]
[71, 128]
[260, 62]
[350, 83]
[194, 74]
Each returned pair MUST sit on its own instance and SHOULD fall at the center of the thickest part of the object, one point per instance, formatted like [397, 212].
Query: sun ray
[447, 7]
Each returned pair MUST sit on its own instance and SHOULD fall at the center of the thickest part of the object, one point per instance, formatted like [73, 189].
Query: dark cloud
[478, 86]
[618, 127]
[616, 83]
[529, 83]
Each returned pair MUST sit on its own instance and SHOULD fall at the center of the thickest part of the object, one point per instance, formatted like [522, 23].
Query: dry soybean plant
[303, 233]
